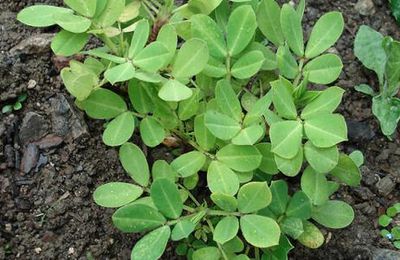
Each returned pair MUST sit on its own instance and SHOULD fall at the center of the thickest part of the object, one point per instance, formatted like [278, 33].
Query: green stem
[228, 68]
[151, 6]
[257, 253]
[109, 43]
[298, 77]
[212, 212]
[192, 143]
[148, 12]
[173, 222]
[190, 195]
[189, 209]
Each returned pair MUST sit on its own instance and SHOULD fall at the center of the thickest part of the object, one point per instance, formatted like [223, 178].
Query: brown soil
[48, 212]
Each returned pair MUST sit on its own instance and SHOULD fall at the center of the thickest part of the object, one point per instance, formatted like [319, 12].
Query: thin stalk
[228, 68]
[156, 3]
[192, 143]
[298, 77]
[173, 222]
[190, 195]
[188, 209]
[148, 12]
[212, 212]
[257, 253]
[109, 43]
[151, 6]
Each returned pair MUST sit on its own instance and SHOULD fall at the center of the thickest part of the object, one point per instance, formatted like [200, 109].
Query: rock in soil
[30, 158]
[386, 185]
[35, 44]
[365, 7]
[33, 127]
[359, 131]
[66, 121]
[385, 254]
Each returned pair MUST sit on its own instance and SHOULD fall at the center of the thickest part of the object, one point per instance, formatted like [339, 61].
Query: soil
[52, 157]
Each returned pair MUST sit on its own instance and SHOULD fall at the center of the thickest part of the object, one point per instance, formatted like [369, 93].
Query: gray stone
[365, 7]
[30, 158]
[386, 185]
[35, 44]
[66, 121]
[385, 254]
[33, 128]
[49, 141]
[359, 131]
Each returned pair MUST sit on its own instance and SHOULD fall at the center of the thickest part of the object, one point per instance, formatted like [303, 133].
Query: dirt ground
[52, 157]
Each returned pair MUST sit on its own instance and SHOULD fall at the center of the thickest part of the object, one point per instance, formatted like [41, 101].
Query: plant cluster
[15, 106]
[386, 220]
[382, 55]
[395, 6]
[231, 80]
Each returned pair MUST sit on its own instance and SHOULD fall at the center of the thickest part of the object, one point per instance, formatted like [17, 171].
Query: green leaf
[94, 65]
[102, 53]
[245, 177]
[269, 21]
[322, 160]
[347, 171]
[270, 62]
[248, 65]
[166, 197]
[137, 218]
[66, 43]
[280, 197]
[189, 163]
[357, 157]
[153, 57]
[384, 220]
[111, 12]
[119, 130]
[131, 11]
[333, 214]
[173, 90]
[205, 28]
[326, 102]
[152, 132]
[392, 67]
[104, 104]
[324, 69]
[221, 179]
[204, 137]
[41, 15]
[312, 236]
[268, 164]
[240, 29]
[292, 30]
[182, 229]
[249, 135]
[167, 35]
[282, 98]
[286, 138]
[365, 89]
[260, 231]
[325, 33]
[80, 85]
[191, 59]
[120, 73]
[241, 158]
[387, 110]
[254, 196]
[258, 109]
[326, 130]
[139, 38]
[189, 107]
[226, 229]
[134, 163]
[162, 170]
[220, 125]
[227, 100]
[299, 206]
[215, 68]
[116, 194]
[72, 23]
[234, 245]
[315, 186]
[369, 50]
[152, 245]
[287, 64]
[292, 227]
[209, 253]
[141, 95]
[225, 202]
[86, 8]
[290, 167]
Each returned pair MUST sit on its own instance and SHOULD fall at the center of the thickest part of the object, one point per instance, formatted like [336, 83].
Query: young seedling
[382, 55]
[16, 106]
[387, 221]
[203, 73]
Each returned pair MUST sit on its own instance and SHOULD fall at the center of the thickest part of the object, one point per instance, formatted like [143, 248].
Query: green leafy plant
[387, 221]
[395, 6]
[17, 105]
[207, 73]
[382, 55]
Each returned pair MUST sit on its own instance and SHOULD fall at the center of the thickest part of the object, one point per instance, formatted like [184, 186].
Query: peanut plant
[231, 80]
[382, 55]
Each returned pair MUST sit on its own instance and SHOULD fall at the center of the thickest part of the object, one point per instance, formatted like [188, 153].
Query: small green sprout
[16, 106]
[389, 220]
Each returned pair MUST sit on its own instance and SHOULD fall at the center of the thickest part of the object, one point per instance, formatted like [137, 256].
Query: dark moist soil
[52, 157]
